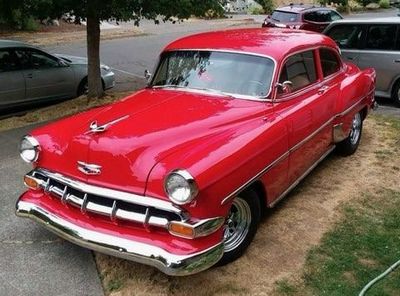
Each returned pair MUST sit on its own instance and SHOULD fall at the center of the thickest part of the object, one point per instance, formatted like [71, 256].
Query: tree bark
[93, 52]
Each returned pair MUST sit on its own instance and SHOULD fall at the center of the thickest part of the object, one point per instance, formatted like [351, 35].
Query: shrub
[384, 4]
[267, 5]
[29, 24]
[256, 10]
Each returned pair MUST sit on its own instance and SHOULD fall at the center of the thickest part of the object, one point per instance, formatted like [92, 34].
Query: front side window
[285, 17]
[34, 59]
[323, 16]
[329, 61]
[381, 37]
[8, 61]
[300, 70]
[231, 73]
[346, 36]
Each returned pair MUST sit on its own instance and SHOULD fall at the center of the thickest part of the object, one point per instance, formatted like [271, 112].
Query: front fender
[223, 163]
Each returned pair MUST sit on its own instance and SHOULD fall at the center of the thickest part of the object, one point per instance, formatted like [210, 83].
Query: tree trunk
[93, 51]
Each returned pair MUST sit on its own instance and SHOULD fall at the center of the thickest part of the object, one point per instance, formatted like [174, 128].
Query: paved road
[33, 261]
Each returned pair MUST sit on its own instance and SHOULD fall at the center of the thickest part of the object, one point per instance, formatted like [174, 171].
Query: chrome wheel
[355, 129]
[236, 224]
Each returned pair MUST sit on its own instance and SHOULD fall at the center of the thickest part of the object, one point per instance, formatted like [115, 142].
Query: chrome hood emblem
[88, 168]
[95, 128]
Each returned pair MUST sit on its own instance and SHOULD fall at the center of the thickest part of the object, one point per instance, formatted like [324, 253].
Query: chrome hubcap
[237, 224]
[355, 129]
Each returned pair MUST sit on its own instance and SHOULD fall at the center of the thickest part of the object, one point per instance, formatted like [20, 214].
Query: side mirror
[147, 75]
[285, 87]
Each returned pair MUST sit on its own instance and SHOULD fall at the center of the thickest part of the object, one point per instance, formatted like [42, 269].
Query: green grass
[114, 285]
[359, 248]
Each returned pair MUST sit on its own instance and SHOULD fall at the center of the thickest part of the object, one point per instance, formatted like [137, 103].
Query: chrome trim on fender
[169, 263]
[234, 193]
[295, 183]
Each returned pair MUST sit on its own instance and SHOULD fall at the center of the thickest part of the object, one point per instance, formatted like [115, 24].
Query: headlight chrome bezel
[34, 146]
[191, 184]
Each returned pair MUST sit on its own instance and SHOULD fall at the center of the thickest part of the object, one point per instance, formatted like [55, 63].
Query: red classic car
[177, 175]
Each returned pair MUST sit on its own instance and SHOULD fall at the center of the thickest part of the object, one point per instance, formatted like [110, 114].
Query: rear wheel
[396, 93]
[349, 145]
[83, 87]
[240, 225]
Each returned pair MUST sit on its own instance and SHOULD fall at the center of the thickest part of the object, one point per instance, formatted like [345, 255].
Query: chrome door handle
[323, 89]
[30, 75]
[350, 58]
[397, 61]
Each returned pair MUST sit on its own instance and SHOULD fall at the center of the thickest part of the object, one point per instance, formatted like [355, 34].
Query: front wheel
[240, 226]
[349, 145]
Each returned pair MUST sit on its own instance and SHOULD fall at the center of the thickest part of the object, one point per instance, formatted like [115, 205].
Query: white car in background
[29, 75]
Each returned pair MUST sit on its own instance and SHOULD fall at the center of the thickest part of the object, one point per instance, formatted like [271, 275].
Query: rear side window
[335, 16]
[323, 16]
[329, 61]
[346, 36]
[8, 61]
[300, 70]
[381, 37]
[285, 17]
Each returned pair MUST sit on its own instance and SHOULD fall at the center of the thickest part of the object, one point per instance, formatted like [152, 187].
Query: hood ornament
[88, 168]
[95, 128]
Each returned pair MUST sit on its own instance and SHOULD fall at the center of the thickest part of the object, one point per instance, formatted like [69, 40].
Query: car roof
[381, 20]
[274, 42]
[11, 43]
[297, 8]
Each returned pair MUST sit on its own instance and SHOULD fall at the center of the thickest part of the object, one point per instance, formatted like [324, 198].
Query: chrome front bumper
[171, 264]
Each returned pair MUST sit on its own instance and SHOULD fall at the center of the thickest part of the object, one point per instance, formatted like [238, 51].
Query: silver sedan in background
[29, 75]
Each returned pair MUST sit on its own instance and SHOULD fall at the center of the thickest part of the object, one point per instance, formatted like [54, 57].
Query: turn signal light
[180, 229]
[31, 183]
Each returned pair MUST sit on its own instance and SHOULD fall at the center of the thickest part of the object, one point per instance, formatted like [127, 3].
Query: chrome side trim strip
[234, 193]
[295, 183]
[169, 263]
[310, 136]
[111, 193]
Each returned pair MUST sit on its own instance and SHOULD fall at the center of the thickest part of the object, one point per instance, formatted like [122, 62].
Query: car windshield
[222, 72]
[285, 17]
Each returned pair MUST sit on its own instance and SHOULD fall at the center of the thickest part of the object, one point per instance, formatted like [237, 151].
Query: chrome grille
[107, 202]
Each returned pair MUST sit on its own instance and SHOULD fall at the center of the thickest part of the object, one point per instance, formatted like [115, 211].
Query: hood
[139, 132]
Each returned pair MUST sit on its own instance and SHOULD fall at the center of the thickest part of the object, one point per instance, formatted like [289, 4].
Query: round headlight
[29, 149]
[180, 187]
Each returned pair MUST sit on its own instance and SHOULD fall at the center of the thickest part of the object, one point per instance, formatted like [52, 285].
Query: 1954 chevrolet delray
[178, 174]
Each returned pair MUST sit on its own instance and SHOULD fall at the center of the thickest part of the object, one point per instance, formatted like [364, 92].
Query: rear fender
[357, 93]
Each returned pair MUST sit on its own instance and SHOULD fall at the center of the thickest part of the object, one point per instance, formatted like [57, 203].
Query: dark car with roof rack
[299, 16]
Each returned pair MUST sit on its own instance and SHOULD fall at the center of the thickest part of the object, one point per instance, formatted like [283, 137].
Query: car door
[12, 82]
[296, 107]
[380, 52]
[349, 38]
[45, 76]
[324, 106]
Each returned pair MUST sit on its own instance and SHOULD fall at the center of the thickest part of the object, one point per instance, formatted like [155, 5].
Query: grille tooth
[84, 203]
[113, 209]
